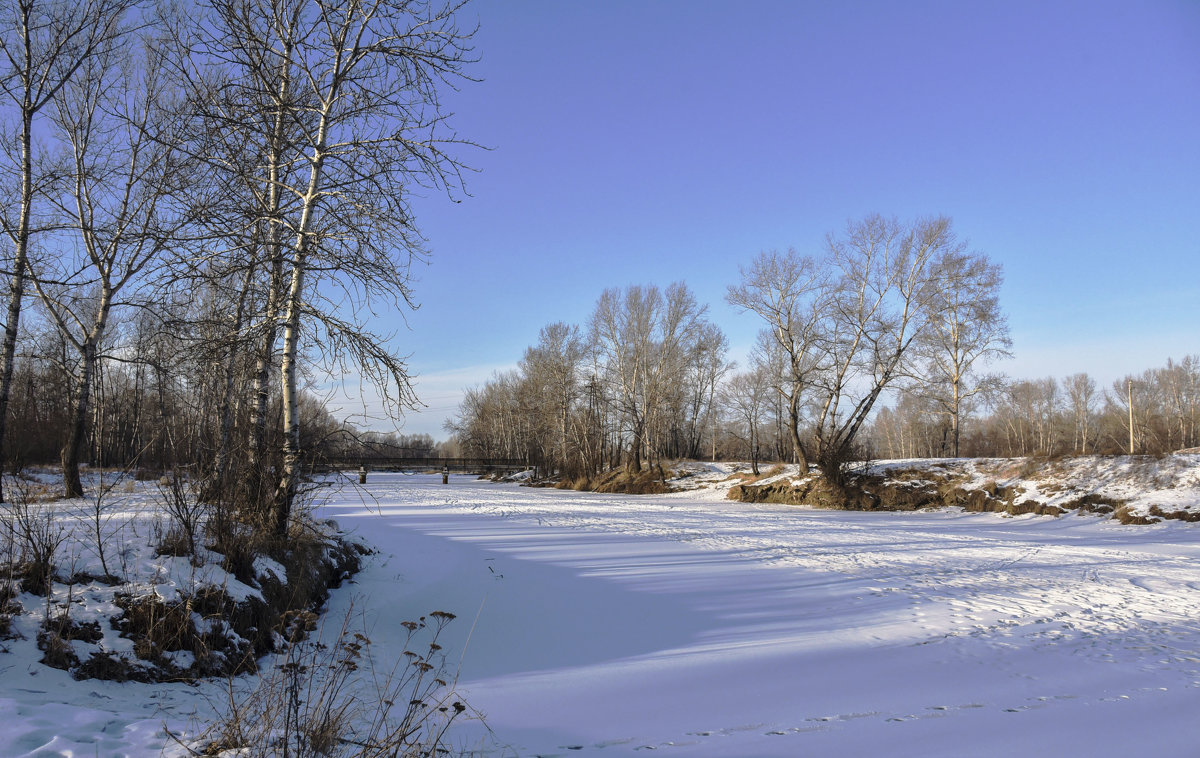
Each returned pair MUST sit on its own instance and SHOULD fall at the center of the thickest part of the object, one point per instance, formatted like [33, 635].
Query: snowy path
[609, 625]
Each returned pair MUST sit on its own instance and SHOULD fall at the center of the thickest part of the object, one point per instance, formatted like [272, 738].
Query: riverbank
[1130, 489]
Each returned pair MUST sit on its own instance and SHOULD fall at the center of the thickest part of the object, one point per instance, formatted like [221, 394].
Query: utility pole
[1129, 390]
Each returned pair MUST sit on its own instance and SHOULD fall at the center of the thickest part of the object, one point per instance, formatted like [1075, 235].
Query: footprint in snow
[821, 727]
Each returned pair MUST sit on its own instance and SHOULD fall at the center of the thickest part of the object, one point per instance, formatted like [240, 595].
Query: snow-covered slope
[1154, 486]
[1134, 489]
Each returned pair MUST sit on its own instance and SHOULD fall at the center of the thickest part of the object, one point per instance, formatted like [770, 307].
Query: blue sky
[651, 142]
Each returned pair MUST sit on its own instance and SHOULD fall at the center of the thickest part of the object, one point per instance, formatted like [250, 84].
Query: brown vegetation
[222, 635]
[651, 481]
[333, 697]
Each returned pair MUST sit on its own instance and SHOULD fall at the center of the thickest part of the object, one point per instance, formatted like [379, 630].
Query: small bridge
[383, 462]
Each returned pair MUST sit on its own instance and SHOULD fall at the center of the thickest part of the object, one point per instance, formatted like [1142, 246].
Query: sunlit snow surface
[691, 625]
[699, 626]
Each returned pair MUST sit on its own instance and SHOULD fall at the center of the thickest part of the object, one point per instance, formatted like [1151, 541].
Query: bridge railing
[403, 463]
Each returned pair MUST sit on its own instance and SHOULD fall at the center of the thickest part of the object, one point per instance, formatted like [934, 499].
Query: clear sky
[641, 142]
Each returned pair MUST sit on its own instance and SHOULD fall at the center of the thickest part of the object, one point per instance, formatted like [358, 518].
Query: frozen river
[686, 623]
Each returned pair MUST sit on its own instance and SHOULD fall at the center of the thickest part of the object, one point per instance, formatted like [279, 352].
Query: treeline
[639, 384]
[206, 203]
[1050, 417]
[878, 347]
[147, 418]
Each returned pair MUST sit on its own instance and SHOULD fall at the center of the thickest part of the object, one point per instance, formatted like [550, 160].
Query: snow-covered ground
[1145, 485]
[690, 624]
[43, 710]
[1151, 487]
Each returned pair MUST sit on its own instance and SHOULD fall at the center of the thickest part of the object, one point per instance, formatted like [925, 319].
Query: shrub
[57, 651]
[8, 608]
[187, 513]
[32, 523]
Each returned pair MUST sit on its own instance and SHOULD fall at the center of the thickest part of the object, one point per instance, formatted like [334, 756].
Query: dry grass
[334, 699]
[749, 477]
[649, 481]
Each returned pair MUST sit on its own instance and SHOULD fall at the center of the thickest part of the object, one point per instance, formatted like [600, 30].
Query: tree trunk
[221, 462]
[274, 248]
[285, 493]
[77, 427]
[289, 478]
[16, 287]
[794, 431]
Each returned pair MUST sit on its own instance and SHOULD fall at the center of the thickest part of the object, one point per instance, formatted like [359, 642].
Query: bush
[8, 608]
[32, 523]
[187, 513]
[55, 640]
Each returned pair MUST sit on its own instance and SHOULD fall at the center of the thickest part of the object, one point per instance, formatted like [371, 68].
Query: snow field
[610, 624]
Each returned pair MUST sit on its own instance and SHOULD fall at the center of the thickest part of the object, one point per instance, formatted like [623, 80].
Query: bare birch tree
[42, 45]
[123, 178]
[966, 329]
[789, 292]
[253, 116]
[372, 73]
[349, 126]
[642, 335]
[1082, 397]
[552, 367]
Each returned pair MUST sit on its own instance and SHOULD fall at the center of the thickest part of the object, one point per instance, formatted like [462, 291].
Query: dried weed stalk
[335, 700]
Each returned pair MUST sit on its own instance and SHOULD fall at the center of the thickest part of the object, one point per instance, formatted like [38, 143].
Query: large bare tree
[252, 116]
[371, 132]
[321, 118]
[883, 286]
